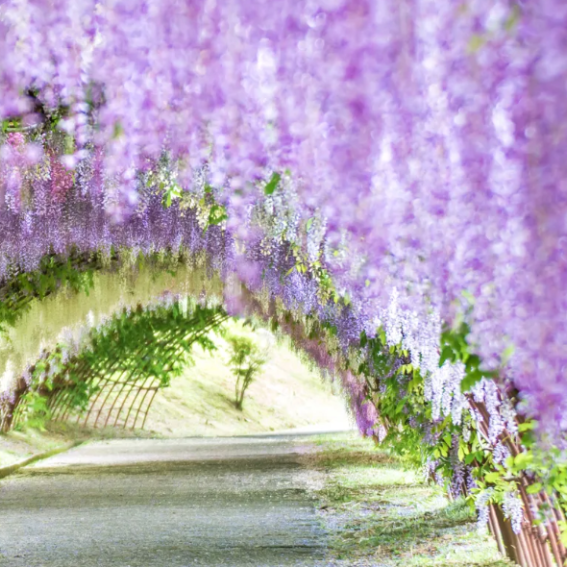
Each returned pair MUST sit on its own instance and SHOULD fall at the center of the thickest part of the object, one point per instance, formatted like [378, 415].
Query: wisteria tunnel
[383, 183]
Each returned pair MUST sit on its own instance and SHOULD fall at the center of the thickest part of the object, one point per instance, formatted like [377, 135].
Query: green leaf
[507, 355]
[446, 354]
[468, 296]
[475, 43]
[217, 214]
[534, 488]
[513, 19]
[470, 379]
[527, 426]
[272, 185]
[493, 477]
[471, 457]
[522, 460]
[118, 130]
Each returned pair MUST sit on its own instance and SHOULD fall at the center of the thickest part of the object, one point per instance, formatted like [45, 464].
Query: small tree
[246, 361]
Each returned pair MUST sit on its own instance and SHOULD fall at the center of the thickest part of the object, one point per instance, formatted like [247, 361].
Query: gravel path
[175, 503]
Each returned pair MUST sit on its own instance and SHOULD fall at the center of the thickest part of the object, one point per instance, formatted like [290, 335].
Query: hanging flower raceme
[427, 139]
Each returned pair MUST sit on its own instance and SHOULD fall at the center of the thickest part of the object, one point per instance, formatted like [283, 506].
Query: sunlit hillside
[286, 395]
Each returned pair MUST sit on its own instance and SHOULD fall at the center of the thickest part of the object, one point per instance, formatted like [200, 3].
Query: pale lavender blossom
[513, 510]
[482, 502]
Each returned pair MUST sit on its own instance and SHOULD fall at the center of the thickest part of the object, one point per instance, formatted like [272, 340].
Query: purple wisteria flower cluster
[426, 139]
[61, 214]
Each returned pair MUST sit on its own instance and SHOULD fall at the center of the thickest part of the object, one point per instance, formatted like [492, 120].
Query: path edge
[10, 469]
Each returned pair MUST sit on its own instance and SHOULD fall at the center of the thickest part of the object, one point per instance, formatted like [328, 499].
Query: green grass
[16, 446]
[378, 513]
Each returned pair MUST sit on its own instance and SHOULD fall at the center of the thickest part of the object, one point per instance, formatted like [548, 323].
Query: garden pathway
[176, 503]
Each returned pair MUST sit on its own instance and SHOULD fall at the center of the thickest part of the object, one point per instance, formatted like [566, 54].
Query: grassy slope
[377, 513]
[286, 395]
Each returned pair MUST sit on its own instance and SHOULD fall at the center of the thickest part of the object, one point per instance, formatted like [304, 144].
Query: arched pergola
[382, 181]
[111, 375]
